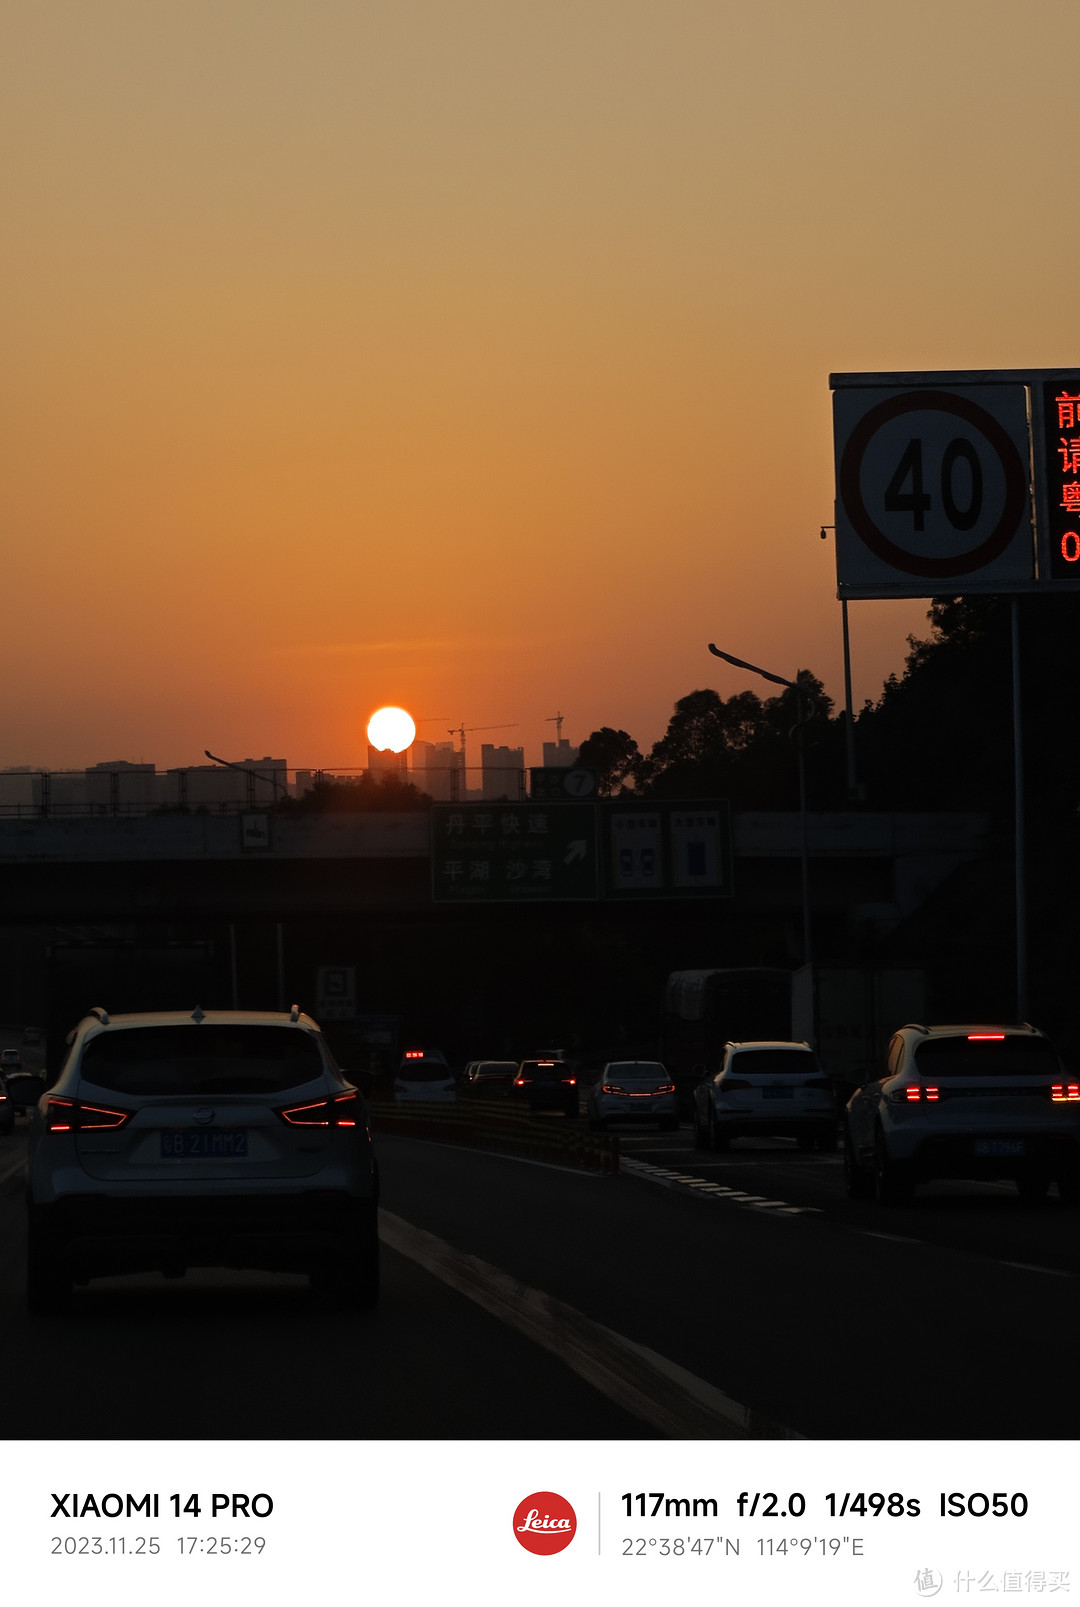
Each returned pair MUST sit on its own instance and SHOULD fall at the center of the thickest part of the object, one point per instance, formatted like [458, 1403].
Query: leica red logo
[544, 1523]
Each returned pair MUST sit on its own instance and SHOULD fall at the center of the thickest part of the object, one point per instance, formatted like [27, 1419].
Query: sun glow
[391, 730]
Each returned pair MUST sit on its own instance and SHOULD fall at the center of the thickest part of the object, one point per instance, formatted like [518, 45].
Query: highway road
[692, 1295]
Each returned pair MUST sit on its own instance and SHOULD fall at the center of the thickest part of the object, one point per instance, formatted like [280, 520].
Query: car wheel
[1033, 1186]
[858, 1182]
[892, 1180]
[352, 1284]
[1069, 1187]
[48, 1280]
[718, 1138]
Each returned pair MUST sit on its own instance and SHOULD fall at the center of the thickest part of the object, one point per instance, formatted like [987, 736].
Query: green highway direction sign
[535, 852]
[511, 852]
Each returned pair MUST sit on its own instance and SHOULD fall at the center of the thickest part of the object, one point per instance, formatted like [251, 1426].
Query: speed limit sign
[932, 488]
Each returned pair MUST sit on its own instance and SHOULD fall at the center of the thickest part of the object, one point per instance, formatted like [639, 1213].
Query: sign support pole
[1018, 821]
[849, 712]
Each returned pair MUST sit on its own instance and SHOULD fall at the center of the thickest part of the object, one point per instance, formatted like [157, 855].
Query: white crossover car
[210, 1138]
[965, 1102]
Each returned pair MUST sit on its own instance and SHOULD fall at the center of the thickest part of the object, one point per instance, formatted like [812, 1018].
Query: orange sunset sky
[473, 355]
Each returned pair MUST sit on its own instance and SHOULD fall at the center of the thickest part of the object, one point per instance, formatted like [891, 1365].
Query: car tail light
[914, 1094]
[986, 1037]
[571, 1080]
[610, 1088]
[1061, 1092]
[666, 1088]
[519, 1082]
[341, 1111]
[74, 1116]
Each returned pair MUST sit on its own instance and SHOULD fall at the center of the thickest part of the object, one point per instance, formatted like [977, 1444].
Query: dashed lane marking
[702, 1188]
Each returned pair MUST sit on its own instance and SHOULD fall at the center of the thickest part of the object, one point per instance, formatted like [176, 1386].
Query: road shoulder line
[652, 1388]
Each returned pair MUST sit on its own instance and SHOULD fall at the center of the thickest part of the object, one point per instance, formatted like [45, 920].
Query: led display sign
[1061, 437]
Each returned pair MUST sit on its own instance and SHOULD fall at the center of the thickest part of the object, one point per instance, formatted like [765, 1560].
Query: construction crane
[558, 720]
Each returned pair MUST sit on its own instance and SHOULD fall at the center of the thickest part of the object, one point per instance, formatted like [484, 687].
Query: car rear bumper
[662, 1109]
[301, 1232]
[958, 1154]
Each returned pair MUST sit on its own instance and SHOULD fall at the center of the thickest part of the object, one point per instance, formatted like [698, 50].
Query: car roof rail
[102, 1014]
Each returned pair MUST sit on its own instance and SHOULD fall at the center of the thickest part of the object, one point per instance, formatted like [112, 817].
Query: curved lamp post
[804, 715]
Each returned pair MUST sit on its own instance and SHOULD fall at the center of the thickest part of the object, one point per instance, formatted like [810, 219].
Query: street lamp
[804, 715]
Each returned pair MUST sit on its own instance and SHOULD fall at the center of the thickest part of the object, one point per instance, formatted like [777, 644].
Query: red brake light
[341, 1111]
[913, 1093]
[571, 1080]
[519, 1082]
[986, 1037]
[545, 1062]
[414, 1054]
[72, 1116]
[1065, 1091]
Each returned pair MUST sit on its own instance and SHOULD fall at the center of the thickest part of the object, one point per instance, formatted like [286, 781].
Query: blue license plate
[221, 1144]
[998, 1148]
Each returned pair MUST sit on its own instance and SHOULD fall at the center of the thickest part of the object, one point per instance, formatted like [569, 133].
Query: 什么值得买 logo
[544, 1523]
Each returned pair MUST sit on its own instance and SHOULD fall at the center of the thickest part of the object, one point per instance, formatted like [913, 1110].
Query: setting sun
[391, 729]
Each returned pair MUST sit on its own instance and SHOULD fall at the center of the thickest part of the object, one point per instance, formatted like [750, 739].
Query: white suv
[220, 1138]
[766, 1087]
[967, 1102]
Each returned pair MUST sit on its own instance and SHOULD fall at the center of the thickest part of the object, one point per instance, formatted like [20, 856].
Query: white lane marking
[651, 1387]
[893, 1238]
[1029, 1266]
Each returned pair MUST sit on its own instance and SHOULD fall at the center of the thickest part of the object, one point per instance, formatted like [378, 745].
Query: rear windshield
[647, 1070]
[424, 1071]
[771, 1062]
[987, 1057]
[490, 1068]
[545, 1070]
[214, 1059]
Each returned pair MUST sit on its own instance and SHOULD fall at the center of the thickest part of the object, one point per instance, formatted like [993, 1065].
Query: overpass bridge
[870, 869]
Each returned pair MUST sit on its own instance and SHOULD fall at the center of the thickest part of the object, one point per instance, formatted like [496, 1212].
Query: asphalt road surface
[748, 1274]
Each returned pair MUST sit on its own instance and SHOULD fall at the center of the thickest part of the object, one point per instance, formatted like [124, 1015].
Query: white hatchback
[221, 1138]
[768, 1088]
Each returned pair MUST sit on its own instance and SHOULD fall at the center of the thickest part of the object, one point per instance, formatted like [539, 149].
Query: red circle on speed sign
[911, 563]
